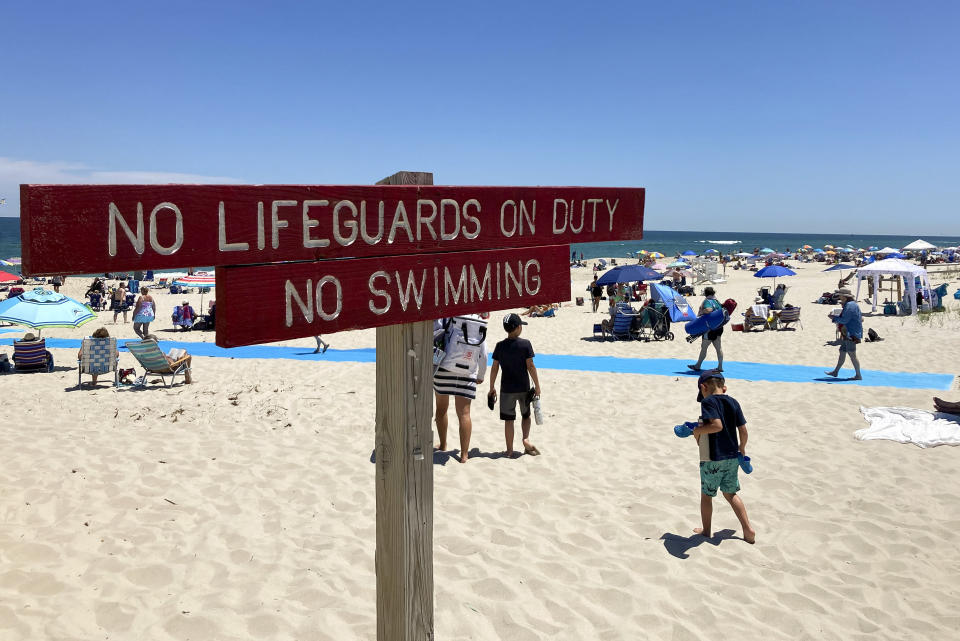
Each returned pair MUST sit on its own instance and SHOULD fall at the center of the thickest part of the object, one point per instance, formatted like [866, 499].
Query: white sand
[242, 506]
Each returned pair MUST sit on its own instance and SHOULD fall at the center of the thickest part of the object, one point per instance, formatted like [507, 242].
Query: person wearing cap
[186, 317]
[514, 355]
[712, 337]
[850, 322]
[722, 439]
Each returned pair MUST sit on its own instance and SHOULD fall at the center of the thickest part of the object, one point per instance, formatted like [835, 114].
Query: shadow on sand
[678, 546]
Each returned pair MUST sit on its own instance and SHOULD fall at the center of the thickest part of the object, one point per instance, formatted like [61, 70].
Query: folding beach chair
[789, 315]
[31, 356]
[98, 356]
[755, 316]
[152, 359]
[623, 325]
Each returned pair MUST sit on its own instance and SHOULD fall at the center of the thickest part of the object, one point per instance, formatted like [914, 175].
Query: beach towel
[908, 425]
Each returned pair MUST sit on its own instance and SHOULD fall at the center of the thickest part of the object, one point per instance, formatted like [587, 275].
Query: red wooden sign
[109, 228]
[266, 303]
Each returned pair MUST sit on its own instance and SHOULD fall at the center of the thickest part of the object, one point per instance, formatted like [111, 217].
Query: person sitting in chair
[186, 316]
[100, 333]
[175, 357]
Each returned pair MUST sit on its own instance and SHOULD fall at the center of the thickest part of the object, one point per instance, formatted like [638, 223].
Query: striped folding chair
[153, 360]
[30, 356]
[98, 356]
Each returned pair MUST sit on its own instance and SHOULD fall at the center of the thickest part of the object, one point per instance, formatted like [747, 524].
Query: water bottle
[537, 410]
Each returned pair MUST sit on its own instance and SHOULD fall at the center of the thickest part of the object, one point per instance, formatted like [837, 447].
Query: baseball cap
[511, 322]
[710, 373]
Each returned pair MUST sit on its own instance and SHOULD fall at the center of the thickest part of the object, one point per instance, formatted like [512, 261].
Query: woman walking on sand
[712, 337]
[144, 312]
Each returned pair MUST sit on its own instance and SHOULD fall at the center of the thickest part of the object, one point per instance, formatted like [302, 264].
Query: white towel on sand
[908, 425]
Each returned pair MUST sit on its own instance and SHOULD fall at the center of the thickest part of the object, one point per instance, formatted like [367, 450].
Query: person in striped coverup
[463, 365]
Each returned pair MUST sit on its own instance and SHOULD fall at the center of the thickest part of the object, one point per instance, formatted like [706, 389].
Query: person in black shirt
[514, 355]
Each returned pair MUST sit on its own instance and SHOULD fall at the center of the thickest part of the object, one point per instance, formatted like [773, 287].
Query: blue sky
[766, 116]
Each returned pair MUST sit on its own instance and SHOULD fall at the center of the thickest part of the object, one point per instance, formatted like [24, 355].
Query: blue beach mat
[738, 370]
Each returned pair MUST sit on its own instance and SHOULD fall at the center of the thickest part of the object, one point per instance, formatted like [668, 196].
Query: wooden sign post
[414, 252]
[404, 453]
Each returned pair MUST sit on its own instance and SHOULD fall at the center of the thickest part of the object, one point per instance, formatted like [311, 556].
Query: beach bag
[873, 336]
[461, 341]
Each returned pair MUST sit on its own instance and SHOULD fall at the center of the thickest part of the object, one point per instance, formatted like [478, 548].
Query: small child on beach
[721, 422]
[514, 355]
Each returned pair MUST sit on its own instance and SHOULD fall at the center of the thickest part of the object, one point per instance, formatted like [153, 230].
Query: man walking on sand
[851, 333]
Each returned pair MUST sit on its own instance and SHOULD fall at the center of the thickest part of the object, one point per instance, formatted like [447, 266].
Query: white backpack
[460, 344]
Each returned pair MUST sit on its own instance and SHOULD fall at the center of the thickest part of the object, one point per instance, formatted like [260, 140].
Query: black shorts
[508, 405]
[714, 334]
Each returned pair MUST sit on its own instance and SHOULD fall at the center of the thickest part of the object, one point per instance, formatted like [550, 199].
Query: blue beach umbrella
[628, 274]
[712, 251]
[41, 308]
[689, 252]
[839, 267]
[679, 264]
[818, 251]
[772, 271]
[766, 250]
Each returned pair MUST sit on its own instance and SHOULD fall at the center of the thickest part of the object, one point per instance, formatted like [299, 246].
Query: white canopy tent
[888, 250]
[919, 245]
[895, 267]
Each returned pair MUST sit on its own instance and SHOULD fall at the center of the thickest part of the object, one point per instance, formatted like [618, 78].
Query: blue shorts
[720, 475]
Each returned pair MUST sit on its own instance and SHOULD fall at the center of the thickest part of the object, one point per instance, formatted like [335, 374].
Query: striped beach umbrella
[203, 280]
[200, 279]
[39, 308]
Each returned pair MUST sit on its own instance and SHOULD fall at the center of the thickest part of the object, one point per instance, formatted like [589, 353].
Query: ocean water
[669, 243]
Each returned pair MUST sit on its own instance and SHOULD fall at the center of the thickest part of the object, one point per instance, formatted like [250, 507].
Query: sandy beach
[243, 506]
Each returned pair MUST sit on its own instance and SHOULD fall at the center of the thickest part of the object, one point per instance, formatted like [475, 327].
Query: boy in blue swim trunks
[721, 423]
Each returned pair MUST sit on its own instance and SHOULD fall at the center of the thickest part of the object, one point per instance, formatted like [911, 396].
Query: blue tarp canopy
[677, 305]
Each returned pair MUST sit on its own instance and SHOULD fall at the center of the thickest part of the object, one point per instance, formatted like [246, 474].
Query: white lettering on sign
[322, 223]
[454, 230]
[138, 238]
[421, 205]
[567, 211]
[364, 233]
[400, 222]
[338, 298]
[178, 229]
[310, 223]
[404, 294]
[466, 285]
[379, 293]
[350, 225]
[314, 300]
[223, 245]
[277, 222]
[476, 221]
